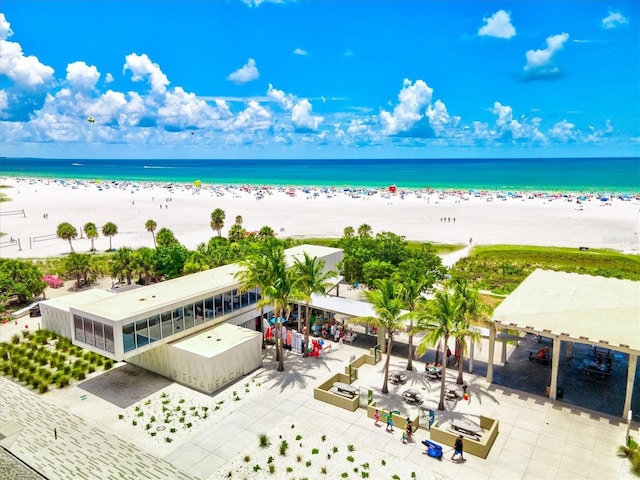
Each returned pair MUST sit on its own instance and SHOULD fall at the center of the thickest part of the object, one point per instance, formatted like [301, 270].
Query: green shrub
[263, 440]
[283, 447]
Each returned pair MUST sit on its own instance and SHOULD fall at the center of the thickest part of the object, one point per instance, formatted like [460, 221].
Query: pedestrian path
[63, 446]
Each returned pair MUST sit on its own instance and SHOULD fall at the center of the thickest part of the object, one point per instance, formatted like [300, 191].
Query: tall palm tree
[68, 232]
[311, 279]
[91, 231]
[255, 274]
[151, 226]
[217, 220]
[109, 229]
[386, 300]
[411, 289]
[348, 232]
[364, 230]
[80, 266]
[437, 318]
[471, 310]
[280, 292]
[238, 219]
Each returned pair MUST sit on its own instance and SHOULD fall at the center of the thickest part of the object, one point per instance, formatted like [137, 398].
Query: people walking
[389, 423]
[457, 449]
[376, 416]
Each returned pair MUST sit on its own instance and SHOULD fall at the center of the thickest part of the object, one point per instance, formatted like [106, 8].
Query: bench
[533, 357]
[345, 389]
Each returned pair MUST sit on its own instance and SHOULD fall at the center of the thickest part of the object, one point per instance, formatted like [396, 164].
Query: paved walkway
[81, 451]
[538, 438]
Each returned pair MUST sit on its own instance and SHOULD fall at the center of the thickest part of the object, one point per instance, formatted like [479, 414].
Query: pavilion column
[471, 348]
[503, 354]
[555, 363]
[569, 350]
[492, 346]
[631, 375]
[300, 318]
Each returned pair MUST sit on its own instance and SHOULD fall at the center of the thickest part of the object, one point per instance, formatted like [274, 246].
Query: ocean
[548, 174]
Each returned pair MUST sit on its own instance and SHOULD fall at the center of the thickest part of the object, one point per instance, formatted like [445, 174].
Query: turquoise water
[549, 174]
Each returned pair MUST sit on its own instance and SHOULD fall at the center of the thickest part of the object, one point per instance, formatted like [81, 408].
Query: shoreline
[361, 188]
[453, 216]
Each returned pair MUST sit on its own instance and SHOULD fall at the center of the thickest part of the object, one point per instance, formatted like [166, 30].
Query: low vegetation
[501, 268]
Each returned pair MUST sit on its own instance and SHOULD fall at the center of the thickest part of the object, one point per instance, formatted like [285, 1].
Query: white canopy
[583, 308]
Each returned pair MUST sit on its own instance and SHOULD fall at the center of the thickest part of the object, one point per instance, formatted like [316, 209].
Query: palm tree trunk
[306, 332]
[280, 347]
[460, 350]
[444, 374]
[264, 345]
[385, 385]
[410, 354]
[438, 353]
[71, 246]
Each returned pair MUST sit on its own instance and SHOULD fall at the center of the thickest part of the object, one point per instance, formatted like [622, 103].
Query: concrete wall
[57, 320]
[479, 448]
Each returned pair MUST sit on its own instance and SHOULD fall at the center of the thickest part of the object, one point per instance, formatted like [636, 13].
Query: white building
[166, 327]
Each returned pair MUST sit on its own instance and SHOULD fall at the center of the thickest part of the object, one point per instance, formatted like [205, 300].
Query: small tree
[150, 226]
[109, 230]
[67, 232]
[91, 231]
[217, 220]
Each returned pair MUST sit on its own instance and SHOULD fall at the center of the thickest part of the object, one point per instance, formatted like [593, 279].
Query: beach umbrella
[197, 183]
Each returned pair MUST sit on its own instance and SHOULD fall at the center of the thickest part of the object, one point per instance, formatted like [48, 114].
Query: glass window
[108, 339]
[244, 299]
[154, 328]
[188, 316]
[128, 339]
[219, 307]
[208, 308]
[167, 329]
[199, 309]
[88, 331]
[98, 331]
[142, 333]
[178, 319]
[78, 328]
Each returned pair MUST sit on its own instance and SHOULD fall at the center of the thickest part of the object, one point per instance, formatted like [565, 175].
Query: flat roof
[213, 341]
[65, 302]
[586, 308]
[160, 296]
[346, 306]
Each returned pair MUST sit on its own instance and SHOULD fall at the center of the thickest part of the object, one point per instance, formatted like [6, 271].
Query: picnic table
[412, 396]
[346, 389]
[397, 376]
[465, 426]
[590, 367]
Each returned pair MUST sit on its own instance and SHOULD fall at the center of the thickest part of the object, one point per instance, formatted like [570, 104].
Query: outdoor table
[346, 388]
[412, 395]
[463, 425]
[397, 376]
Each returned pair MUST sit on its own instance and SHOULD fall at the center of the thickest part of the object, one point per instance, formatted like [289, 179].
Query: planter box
[479, 448]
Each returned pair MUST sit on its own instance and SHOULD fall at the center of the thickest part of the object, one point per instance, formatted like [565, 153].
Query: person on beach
[457, 449]
[389, 423]
[376, 416]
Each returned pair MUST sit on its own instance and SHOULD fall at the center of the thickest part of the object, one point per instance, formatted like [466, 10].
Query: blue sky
[319, 78]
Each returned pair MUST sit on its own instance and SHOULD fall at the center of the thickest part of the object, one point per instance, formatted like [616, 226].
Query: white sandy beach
[486, 218]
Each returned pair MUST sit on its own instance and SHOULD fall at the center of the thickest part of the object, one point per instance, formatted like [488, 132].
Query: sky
[319, 78]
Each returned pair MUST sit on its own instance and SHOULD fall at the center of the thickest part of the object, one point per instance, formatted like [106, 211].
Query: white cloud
[498, 25]
[257, 3]
[302, 119]
[439, 117]
[614, 20]
[540, 62]
[413, 100]
[245, 74]
[563, 131]
[25, 71]
[286, 101]
[143, 68]
[82, 76]
[254, 117]
[300, 51]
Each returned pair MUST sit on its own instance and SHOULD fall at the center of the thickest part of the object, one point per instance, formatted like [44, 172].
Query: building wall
[202, 373]
[56, 319]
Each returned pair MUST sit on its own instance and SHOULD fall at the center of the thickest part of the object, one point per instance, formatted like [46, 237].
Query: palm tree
[386, 300]
[217, 220]
[91, 231]
[80, 266]
[311, 279]
[471, 310]
[109, 230]
[238, 219]
[348, 231]
[438, 318]
[364, 230]
[411, 289]
[265, 233]
[68, 232]
[279, 292]
[255, 274]
[237, 233]
[150, 226]
[144, 264]
[123, 265]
